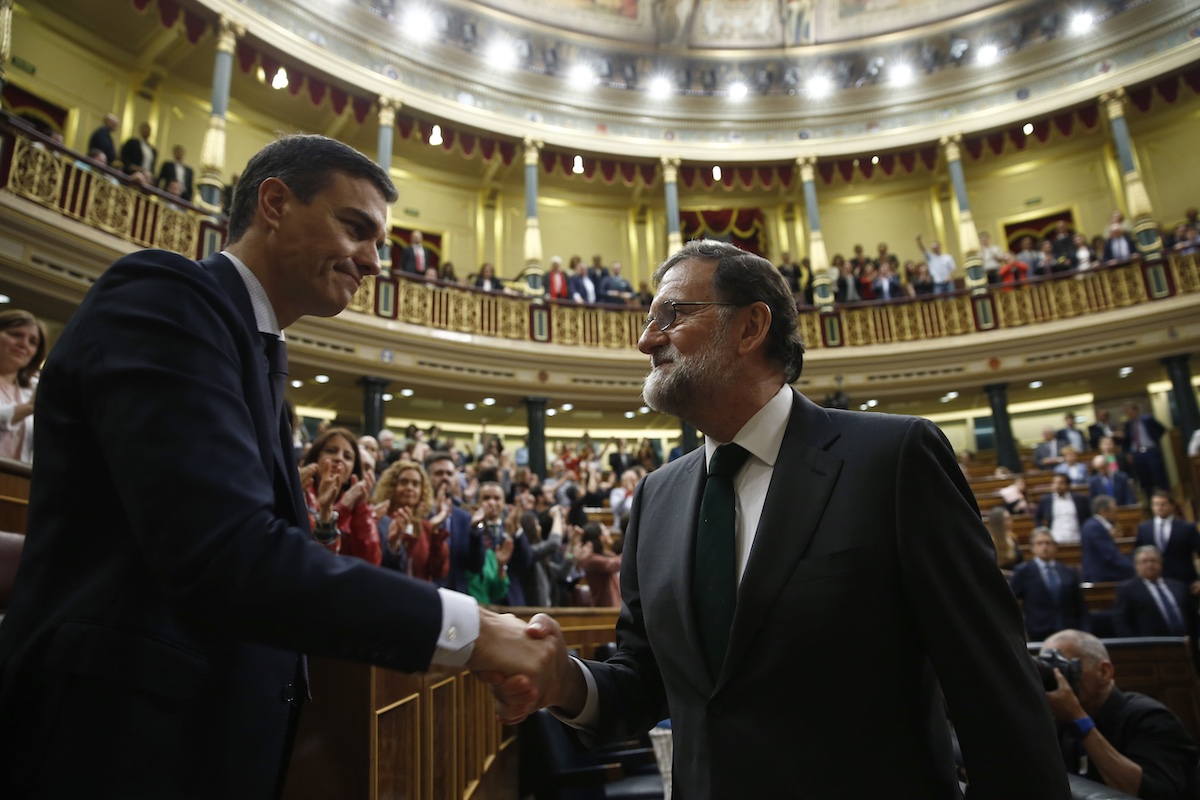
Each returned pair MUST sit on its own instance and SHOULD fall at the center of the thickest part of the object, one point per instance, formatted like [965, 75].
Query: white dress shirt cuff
[460, 629]
[586, 719]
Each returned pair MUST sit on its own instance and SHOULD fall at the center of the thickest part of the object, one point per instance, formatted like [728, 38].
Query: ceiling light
[1027, 129]
[296, 384]
[874, 159]
[387, 396]
[567, 407]
[280, 81]
[407, 392]
[550, 412]
[489, 401]
[470, 406]
[581, 76]
[945, 399]
[1035, 384]
[660, 87]
[577, 165]
[630, 414]
[716, 173]
[435, 135]
[644, 410]
[418, 24]
[901, 75]
[988, 54]
[737, 91]
[872, 403]
[321, 379]
[1125, 372]
[863, 407]
[818, 86]
[502, 55]
[1081, 22]
[952, 395]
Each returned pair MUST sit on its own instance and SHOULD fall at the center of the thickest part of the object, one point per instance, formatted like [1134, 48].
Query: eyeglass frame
[674, 304]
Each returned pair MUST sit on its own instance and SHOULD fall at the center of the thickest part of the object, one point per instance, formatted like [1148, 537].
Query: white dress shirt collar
[762, 435]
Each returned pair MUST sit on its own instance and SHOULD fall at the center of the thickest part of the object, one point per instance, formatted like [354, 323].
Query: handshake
[526, 665]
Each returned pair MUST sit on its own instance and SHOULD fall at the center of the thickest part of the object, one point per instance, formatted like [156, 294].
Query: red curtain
[744, 227]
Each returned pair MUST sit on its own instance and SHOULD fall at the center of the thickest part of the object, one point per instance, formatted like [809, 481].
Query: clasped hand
[526, 665]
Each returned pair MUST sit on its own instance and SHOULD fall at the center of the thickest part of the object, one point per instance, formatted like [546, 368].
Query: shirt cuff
[460, 629]
[587, 719]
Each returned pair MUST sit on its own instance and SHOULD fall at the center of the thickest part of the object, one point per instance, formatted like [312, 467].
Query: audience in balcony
[992, 256]
[1113, 483]
[1048, 261]
[22, 351]
[614, 289]
[1119, 246]
[847, 290]
[1082, 256]
[1176, 539]
[413, 258]
[1152, 604]
[1063, 512]
[137, 154]
[941, 266]
[1050, 595]
[887, 285]
[1100, 558]
[1030, 254]
[177, 172]
[337, 491]
[790, 272]
[556, 280]
[583, 288]
[921, 283]
[1062, 244]
[414, 531]
[101, 142]
[487, 280]
[1012, 270]
[1188, 242]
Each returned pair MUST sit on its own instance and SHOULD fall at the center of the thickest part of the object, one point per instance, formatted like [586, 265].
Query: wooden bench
[1128, 518]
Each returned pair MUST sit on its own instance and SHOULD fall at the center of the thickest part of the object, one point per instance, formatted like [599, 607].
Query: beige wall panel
[577, 230]
[1165, 142]
[870, 214]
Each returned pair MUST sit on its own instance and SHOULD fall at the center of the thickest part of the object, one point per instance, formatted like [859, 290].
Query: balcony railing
[45, 173]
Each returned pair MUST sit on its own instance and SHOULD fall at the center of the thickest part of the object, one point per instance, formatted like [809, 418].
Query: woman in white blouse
[22, 350]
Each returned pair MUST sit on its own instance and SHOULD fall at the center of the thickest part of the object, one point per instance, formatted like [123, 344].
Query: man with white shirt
[753, 568]
[582, 285]
[138, 155]
[176, 170]
[1062, 511]
[1100, 559]
[1119, 246]
[1153, 605]
[1177, 540]
[941, 266]
[1072, 436]
[413, 259]
[157, 626]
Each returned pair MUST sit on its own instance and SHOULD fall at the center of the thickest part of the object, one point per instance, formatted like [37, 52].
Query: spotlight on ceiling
[630, 415]
[550, 412]
[419, 23]
[501, 55]
[470, 406]
[1027, 128]
[435, 135]
[1125, 372]
[738, 90]
[296, 384]
[1036, 384]
[581, 76]
[567, 407]
[407, 392]
[321, 378]
[988, 54]
[716, 172]
[280, 81]
[818, 86]
[1081, 22]
[901, 74]
[577, 165]
[489, 401]
[660, 87]
[387, 397]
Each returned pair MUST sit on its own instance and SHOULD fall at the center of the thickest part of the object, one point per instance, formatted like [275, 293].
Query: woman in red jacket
[340, 515]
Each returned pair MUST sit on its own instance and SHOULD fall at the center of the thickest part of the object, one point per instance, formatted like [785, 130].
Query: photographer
[1132, 742]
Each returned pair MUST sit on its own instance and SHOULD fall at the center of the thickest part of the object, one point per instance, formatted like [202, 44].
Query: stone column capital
[228, 32]
[807, 166]
[952, 146]
[1114, 102]
[388, 106]
[533, 148]
[670, 168]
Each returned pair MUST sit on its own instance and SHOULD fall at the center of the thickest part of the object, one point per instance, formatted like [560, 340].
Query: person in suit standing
[101, 140]
[1142, 435]
[1176, 539]
[1152, 605]
[1115, 484]
[1100, 558]
[1049, 592]
[824, 532]
[1119, 246]
[583, 288]
[158, 619]
[614, 289]
[556, 280]
[414, 259]
[1048, 452]
[1099, 429]
[620, 459]
[137, 154]
[1070, 436]
[176, 170]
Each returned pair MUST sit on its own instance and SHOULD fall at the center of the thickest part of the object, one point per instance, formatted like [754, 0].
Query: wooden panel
[441, 757]
[14, 495]
[398, 751]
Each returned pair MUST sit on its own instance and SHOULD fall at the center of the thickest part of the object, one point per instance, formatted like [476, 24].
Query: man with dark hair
[1049, 591]
[1177, 540]
[1100, 558]
[1062, 511]
[156, 627]
[1142, 435]
[1133, 743]
[101, 139]
[753, 567]
[466, 549]
[176, 170]
[138, 155]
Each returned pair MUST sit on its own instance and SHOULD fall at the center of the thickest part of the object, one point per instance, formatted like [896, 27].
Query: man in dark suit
[620, 459]
[1048, 452]
[1119, 246]
[1177, 540]
[137, 154]
[1054, 510]
[1142, 435]
[1099, 429]
[583, 289]
[1100, 558]
[101, 140]
[1050, 595]
[1071, 436]
[466, 550]
[1114, 484]
[854, 532]
[1151, 605]
[614, 289]
[413, 259]
[177, 171]
[154, 633]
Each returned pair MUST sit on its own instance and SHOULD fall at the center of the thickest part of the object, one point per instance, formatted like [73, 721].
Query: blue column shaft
[531, 191]
[810, 205]
[1120, 131]
[384, 158]
[672, 192]
[222, 75]
[960, 185]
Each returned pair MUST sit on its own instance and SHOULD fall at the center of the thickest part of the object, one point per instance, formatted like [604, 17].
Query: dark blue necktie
[1174, 620]
[277, 369]
[715, 586]
[1052, 582]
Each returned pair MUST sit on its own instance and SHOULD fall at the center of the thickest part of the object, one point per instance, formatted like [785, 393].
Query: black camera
[1049, 660]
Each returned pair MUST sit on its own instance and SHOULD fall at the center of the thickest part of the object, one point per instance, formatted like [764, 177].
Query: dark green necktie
[715, 586]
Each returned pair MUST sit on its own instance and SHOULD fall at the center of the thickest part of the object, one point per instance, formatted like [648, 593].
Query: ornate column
[1145, 229]
[372, 402]
[533, 233]
[670, 169]
[1186, 408]
[212, 152]
[818, 258]
[6, 13]
[1006, 445]
[535, 409]
[968, 237]
[388, 106]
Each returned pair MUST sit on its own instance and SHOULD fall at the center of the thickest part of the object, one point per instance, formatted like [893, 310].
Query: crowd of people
[479, 523]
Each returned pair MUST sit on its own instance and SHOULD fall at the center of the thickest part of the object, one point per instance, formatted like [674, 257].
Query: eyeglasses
[669, 310]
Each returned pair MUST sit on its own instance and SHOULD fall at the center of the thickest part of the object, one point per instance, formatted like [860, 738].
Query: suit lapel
[275, 436]
[682, 497]
[801, 484]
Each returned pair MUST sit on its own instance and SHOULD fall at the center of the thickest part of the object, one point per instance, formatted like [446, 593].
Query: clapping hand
[401, 527]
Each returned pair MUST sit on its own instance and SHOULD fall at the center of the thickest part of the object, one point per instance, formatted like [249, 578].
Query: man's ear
[273, 198]
[755, 327]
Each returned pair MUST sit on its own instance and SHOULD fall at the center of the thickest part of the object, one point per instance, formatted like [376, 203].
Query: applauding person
[338, 510]
[416, 542]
